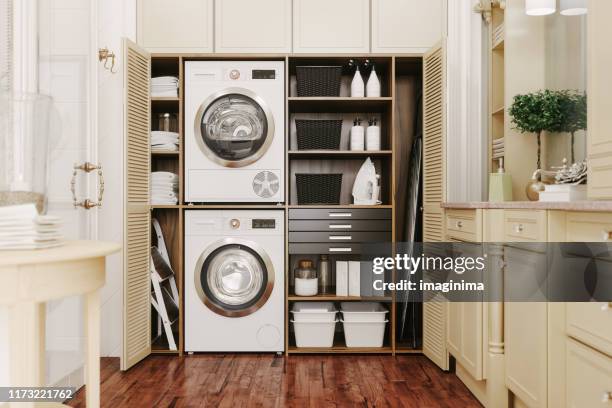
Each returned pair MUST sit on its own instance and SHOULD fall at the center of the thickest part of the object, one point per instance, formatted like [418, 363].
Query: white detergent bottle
[373, 87]
[357, 85]
[372, 141]
[357, 136]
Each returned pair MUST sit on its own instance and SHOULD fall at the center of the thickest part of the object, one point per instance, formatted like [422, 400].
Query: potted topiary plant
[574, 115]
[536, 112]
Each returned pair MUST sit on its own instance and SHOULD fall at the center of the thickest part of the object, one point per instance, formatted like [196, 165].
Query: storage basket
[314, 334]
[314, 312]
[364, 334]
[363, 312]
[318, 134]
[318, 80]
[318, 188]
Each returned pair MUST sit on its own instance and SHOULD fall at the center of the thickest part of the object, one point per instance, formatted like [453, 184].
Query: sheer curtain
[6, 44]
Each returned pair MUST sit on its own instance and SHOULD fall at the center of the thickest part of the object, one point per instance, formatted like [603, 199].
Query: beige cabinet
[248, 26]
[589, 377]
[410, 26]
[175, 26]
[331, 26]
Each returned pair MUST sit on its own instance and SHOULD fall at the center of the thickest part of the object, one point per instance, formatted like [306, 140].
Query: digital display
[264, 74]
[264, 223]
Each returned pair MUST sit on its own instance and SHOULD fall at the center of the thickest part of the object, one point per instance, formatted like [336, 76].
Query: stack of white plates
[164, 141]
[164, 86]
[164, 188]
[22, 228]
[499, 149]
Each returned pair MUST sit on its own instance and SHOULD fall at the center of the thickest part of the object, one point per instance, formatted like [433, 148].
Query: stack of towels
[164, 86]
[498, 148]
[22, 228]
[164, 141]
[164, 188]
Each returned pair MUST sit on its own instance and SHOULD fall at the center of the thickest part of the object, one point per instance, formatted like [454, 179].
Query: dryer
[234, 280]
[234, 131]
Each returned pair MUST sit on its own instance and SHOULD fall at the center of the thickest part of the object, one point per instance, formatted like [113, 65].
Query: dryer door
[234, 127]
[234, 277]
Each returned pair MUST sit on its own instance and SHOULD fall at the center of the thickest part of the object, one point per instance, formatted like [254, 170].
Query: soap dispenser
[357, 135]
[373, 86]
[500, 184]
[372, 141]
[357, 85]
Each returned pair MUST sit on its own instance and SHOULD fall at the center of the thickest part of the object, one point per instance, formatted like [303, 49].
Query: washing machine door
[234, 127]
[234, 277]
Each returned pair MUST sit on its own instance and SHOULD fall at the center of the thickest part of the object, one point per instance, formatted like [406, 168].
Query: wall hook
[104, 54]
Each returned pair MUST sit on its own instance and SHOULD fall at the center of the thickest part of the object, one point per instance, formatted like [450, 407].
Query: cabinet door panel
[410, 26]
[322, 26]
[247, 26]
[175, 26]
[588, 377]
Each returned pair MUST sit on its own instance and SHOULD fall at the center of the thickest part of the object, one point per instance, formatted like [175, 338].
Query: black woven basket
[318, 188]
[318, 134]
[318, 80]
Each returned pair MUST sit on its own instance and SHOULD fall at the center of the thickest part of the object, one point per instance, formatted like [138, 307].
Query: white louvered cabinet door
[434, 311]
[137, 218]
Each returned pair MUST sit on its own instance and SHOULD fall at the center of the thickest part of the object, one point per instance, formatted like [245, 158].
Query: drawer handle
[340, 226]
[606, 235]
[606, 306]
[459, 224]
[606, 397]
[340, 237]
[340, 215]
[518, 228]
[340, 249]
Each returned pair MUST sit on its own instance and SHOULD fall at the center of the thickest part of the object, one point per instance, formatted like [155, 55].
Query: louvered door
[435, 310]
[137, 219]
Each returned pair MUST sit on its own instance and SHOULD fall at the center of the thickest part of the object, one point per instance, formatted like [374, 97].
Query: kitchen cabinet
[331, 26]
[175, 26]
[410, 26]
[247, 26]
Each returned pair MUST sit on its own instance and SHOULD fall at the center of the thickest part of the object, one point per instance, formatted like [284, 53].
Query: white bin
[364, 334]
[314, 334]
[363, 312]
[314, 312]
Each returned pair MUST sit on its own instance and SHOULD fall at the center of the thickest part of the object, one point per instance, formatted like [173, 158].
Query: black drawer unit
[340, 214]
[337, 231]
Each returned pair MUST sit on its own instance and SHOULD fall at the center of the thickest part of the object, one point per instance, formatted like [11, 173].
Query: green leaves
[537, 112]
[573, 111]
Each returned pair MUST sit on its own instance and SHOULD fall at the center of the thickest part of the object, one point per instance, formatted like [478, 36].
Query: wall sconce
[573, 7]
[540, 7]
[105, 55]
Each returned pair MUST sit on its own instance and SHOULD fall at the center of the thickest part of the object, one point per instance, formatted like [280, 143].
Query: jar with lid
[306, 282]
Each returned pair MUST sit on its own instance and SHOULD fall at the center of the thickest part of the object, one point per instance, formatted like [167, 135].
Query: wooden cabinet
[247, 26]
[331, 26]
[410, 26]
[588, 377]
[175, 26]
[599, 60]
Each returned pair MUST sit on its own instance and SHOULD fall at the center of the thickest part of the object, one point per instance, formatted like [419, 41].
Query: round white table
[28, 279]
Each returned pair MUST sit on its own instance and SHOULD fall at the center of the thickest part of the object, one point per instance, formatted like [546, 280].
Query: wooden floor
[266, 380]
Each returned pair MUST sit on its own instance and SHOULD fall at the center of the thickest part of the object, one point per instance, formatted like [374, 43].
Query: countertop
[601, 206]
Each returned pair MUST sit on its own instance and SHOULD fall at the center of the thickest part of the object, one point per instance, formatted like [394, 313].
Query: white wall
[117, 19]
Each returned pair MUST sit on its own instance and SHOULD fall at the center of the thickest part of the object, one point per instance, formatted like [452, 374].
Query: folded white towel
[165, 94]
[164, 175]
[164, 79]
[169, 147]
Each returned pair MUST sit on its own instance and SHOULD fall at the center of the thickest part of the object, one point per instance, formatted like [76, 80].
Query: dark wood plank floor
[266, 380]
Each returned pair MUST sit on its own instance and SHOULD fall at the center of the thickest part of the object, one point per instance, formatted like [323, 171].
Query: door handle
[340, 237]
[340, 226]
[340, 215]
[87, 167]
[340, 249]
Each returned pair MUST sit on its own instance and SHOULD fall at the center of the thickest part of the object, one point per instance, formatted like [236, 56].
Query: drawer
[340, 214]
[588, 377]
[525, 226]
[340, 225]
[463, 225]
[321, 248]
[333, 236]
[591, 323]
[588, 227]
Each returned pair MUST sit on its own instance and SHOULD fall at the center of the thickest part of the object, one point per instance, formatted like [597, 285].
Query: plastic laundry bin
[314, 334]
[364, 334]
[314, 312]
[363, 312]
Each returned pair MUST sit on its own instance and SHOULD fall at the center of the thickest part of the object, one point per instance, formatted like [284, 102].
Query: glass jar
[24, 147]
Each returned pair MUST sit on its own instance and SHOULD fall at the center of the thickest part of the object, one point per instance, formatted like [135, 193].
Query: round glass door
[234, 128]
[234, 278]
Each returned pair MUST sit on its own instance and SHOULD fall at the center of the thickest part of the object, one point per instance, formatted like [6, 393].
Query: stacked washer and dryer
[234, 154]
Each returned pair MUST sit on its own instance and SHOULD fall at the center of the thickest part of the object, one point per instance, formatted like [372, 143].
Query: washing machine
[234, 280]
[234, 131]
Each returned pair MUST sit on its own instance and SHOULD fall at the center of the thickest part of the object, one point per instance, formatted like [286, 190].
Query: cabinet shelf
[339, 104]
[334, 298]
[340, 349]
[164, 153]
[165, 99]
[499, 110]
[337, 154]
[348, 206]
